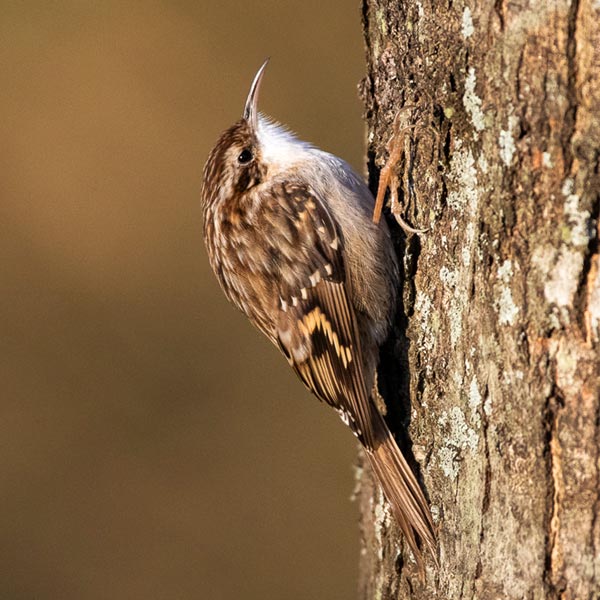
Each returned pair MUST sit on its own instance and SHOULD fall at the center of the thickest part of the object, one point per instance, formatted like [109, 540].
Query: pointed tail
[400, 486]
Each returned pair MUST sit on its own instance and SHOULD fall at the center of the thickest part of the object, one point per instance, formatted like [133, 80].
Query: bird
[289, 235]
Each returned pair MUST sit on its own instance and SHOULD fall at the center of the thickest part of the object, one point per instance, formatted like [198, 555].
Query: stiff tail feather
[400, 486]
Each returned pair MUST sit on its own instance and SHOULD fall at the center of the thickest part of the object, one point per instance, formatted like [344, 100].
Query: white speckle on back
[315, 278]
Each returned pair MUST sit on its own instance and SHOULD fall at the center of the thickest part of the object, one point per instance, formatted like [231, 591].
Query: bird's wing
[316, 326]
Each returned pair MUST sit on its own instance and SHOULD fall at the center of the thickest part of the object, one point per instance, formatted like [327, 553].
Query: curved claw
[409, 229]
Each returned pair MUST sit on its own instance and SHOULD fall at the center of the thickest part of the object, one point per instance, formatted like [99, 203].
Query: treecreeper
[290, 237]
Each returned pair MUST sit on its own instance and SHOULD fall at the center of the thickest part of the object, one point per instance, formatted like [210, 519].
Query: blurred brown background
[152, 444]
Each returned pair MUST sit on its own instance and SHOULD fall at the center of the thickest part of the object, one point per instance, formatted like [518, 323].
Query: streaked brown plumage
[290, 238]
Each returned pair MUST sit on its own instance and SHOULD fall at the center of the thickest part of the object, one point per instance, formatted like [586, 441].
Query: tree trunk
[494, 372]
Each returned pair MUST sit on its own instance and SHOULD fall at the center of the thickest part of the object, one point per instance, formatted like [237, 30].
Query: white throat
[280, 148]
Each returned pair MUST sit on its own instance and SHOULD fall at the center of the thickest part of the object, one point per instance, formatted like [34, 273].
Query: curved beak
[251, 109]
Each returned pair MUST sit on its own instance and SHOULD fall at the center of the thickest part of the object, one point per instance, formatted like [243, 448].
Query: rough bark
[494, 372]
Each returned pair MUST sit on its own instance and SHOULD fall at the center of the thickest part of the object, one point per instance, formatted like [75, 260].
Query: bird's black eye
[245, 156]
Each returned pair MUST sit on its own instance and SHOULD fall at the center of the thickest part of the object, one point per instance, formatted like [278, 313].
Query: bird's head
[251, 150]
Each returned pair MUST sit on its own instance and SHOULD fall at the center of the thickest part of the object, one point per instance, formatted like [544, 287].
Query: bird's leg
[395, 147]
[388, 177]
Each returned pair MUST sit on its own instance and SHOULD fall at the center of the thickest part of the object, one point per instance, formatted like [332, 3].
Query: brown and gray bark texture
[492, 383]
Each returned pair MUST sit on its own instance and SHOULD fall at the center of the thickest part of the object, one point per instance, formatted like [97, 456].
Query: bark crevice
[553, 575]
[571, 93]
